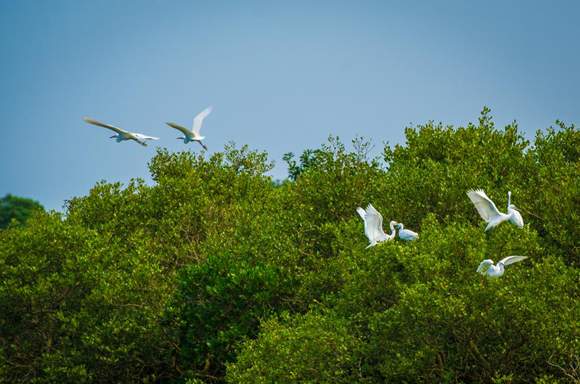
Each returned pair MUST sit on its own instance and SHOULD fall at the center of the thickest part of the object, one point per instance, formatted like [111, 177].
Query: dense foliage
[16, 208]
[217, 274]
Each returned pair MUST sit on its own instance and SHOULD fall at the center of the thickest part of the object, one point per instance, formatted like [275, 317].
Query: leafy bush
[311, 349]
[219, 303]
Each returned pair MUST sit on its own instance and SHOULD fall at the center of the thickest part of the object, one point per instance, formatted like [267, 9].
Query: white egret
[497, 270]
[374, 225]
[489, 212]
[516, 216]
[194, 134]
[406, 234]
[122, 134]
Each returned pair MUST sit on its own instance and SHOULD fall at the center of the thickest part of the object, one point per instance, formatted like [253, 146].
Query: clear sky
[281, 76]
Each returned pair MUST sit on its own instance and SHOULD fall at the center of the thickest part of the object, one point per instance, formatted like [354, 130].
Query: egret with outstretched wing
[489, 212]
[194, 134]
[121, 133]
[497, 270]
[374, 225]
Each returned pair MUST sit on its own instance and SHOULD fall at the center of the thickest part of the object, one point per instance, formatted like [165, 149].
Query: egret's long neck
[500, 266]
[510, 211]
[509, 201]
[392, 226]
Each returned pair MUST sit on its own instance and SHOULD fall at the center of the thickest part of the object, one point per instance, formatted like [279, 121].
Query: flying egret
[193, 135]
[406, 234]
[489, 212]
[122, 134]
[497, 270]
[374, 225]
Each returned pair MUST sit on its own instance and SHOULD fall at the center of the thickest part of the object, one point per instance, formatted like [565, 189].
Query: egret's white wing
[111, 127]
[517, 219]
[484, 263]
[486, 208]
[374, 224]
[361, 212]
[198, 119]
[145, 137]
[512, 259]
[185, 131]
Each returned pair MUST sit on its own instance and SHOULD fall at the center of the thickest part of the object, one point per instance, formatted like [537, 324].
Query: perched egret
[193, 135]
[488, 211]
[374, 225]
[516, 216]
[406, 234]
[122, 134]
[497, 270]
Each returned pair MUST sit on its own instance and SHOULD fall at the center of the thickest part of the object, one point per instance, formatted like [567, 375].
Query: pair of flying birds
[485, 207]
[192, 135]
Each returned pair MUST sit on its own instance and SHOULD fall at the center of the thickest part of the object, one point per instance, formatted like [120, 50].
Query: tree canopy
[216, 274]
[18, 208]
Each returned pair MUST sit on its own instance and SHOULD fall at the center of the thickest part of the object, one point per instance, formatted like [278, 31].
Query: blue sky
[281, 77]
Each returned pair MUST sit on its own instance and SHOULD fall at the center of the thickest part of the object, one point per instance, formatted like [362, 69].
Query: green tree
[555, 190]
[19, 208]
[214, 273]
[312, 348]
[418, 311]
[218, 304]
